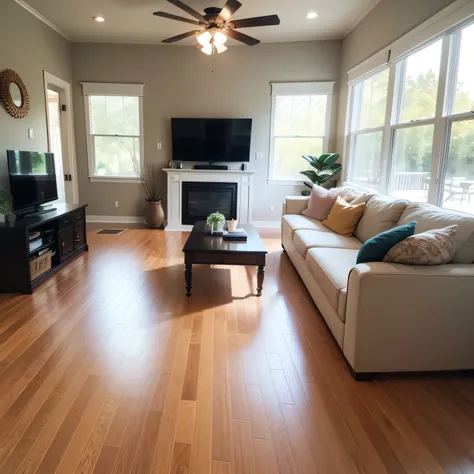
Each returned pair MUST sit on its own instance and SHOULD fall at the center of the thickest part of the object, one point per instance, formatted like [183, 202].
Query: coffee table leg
[260, 277]
[188, 274]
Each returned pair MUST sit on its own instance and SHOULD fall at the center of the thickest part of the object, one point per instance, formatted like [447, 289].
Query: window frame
[442, 121]
[112, 90]
[293, 89]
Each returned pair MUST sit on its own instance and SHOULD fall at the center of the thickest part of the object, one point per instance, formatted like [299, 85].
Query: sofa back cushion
[352, 196]
[430, 217]
[320, 203]
[381, 213]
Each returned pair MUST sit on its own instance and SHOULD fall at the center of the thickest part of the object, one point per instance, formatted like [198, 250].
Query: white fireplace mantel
[176, 177]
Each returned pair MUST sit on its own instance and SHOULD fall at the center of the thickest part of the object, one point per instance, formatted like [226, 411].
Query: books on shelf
[237, 235]
[36, 244]
[34, 235]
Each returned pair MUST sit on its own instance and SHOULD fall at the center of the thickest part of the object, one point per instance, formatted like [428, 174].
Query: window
[301, 115]
[114, 126]
[370, 102]
[410, 127]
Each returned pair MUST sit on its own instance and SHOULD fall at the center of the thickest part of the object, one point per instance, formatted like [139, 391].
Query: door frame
[68, 117]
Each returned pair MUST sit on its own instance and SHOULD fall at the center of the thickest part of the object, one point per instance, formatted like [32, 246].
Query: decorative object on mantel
[13, 94]
[170, 164]
[217, 26]
[150, 177]
[243, 167]
[216, 221]
[6, 207]
[325, 167]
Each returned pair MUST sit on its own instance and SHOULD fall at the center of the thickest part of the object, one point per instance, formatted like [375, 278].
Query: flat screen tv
[32, 178]
[211, 140]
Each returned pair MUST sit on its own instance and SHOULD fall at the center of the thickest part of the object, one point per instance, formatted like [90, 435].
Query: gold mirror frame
[7, 76]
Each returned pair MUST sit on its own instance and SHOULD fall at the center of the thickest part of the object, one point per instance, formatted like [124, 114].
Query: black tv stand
[210, 166]
[37, 212]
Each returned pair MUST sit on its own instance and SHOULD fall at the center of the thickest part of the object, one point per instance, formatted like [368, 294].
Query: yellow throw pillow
[343, 217]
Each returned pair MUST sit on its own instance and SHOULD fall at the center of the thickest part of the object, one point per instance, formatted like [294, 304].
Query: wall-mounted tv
[32, 178]
[211, 140]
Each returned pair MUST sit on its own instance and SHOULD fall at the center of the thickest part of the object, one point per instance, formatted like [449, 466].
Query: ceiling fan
[217, 26]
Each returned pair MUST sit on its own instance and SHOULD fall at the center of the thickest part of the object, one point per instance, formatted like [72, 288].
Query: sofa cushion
[381, 214]
[320, 203]
[330, 268]
[344, 217]
[353, 196]
[293, 222]
[376, 248]
[433, 247]
[430, 217]
[306, 239]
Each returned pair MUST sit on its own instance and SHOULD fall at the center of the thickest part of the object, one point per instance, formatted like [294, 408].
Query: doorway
[60, 130]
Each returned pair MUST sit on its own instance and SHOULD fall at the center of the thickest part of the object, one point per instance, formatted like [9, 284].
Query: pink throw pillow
[320, 203]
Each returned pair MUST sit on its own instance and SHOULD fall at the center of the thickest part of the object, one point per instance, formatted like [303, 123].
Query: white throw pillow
[433, 247]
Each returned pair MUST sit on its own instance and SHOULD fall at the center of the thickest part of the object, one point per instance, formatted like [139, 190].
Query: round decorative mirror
[13, 94]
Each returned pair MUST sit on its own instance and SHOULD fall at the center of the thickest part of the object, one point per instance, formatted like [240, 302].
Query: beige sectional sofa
[387, 317]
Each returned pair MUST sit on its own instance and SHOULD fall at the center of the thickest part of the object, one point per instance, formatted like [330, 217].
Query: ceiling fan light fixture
[207, 49]
[219, 38]
[98, 19]
[311, 15]
[204, 38]
[220, 48]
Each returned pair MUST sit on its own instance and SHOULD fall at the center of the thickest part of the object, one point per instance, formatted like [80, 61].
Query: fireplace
[199, 199]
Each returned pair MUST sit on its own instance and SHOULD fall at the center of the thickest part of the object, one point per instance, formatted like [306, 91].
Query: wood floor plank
[185, 425]
[181, 459]
[109, 368]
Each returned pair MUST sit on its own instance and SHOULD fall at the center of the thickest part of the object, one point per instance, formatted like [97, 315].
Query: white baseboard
[116, 219]
[267, 224]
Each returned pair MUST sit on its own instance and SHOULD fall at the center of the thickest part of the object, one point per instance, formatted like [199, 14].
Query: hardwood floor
[109, 368]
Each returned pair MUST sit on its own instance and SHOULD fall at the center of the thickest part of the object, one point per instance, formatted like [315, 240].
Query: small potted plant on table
[216, 221]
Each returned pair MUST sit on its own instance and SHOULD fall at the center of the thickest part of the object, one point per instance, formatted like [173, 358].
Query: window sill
[104, 179]
[285, 182]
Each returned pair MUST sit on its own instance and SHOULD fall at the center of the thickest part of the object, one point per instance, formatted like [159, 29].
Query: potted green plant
[6, 208]
[150, 179]
[325, 167]
[216, 221]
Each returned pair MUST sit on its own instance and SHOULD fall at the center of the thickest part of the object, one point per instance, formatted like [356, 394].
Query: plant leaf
[312, 175]
[330, 159]
[310, 159]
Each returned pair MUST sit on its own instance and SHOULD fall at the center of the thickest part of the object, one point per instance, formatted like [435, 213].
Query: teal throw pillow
[375, 249]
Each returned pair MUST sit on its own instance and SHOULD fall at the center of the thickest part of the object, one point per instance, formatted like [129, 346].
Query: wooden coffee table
[203, 248]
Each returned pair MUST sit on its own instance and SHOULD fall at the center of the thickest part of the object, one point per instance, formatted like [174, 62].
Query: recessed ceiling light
[311, 15]
[98, 19]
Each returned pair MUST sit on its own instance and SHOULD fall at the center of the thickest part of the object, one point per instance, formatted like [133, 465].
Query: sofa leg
[363, 376]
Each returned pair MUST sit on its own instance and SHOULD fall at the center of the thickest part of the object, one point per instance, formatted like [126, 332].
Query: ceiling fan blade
[188, 10]
[229, 9]
[269, 20]
[237, 35]
[180, 37]
[179, 18]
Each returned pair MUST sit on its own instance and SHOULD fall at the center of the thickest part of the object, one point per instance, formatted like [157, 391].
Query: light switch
[31, 134]
[159, 146]
[259, 155]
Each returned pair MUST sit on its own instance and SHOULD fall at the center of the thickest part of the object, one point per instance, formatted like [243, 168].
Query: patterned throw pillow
[433, 247]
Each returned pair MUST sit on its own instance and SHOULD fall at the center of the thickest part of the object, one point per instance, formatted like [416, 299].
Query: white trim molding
[40, 17]
[67, 120]
[109, 89]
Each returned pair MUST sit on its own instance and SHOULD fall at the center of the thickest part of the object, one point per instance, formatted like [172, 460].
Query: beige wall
[180, 82]
[387, 22]
[28, 47]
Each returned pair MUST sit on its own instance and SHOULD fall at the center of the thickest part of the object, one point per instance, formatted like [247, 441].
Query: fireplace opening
[201, 199]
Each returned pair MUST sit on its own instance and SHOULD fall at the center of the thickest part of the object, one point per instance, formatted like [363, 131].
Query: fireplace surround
[231, 189]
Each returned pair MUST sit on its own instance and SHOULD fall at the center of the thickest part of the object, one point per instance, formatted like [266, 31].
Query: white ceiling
[131, 21]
